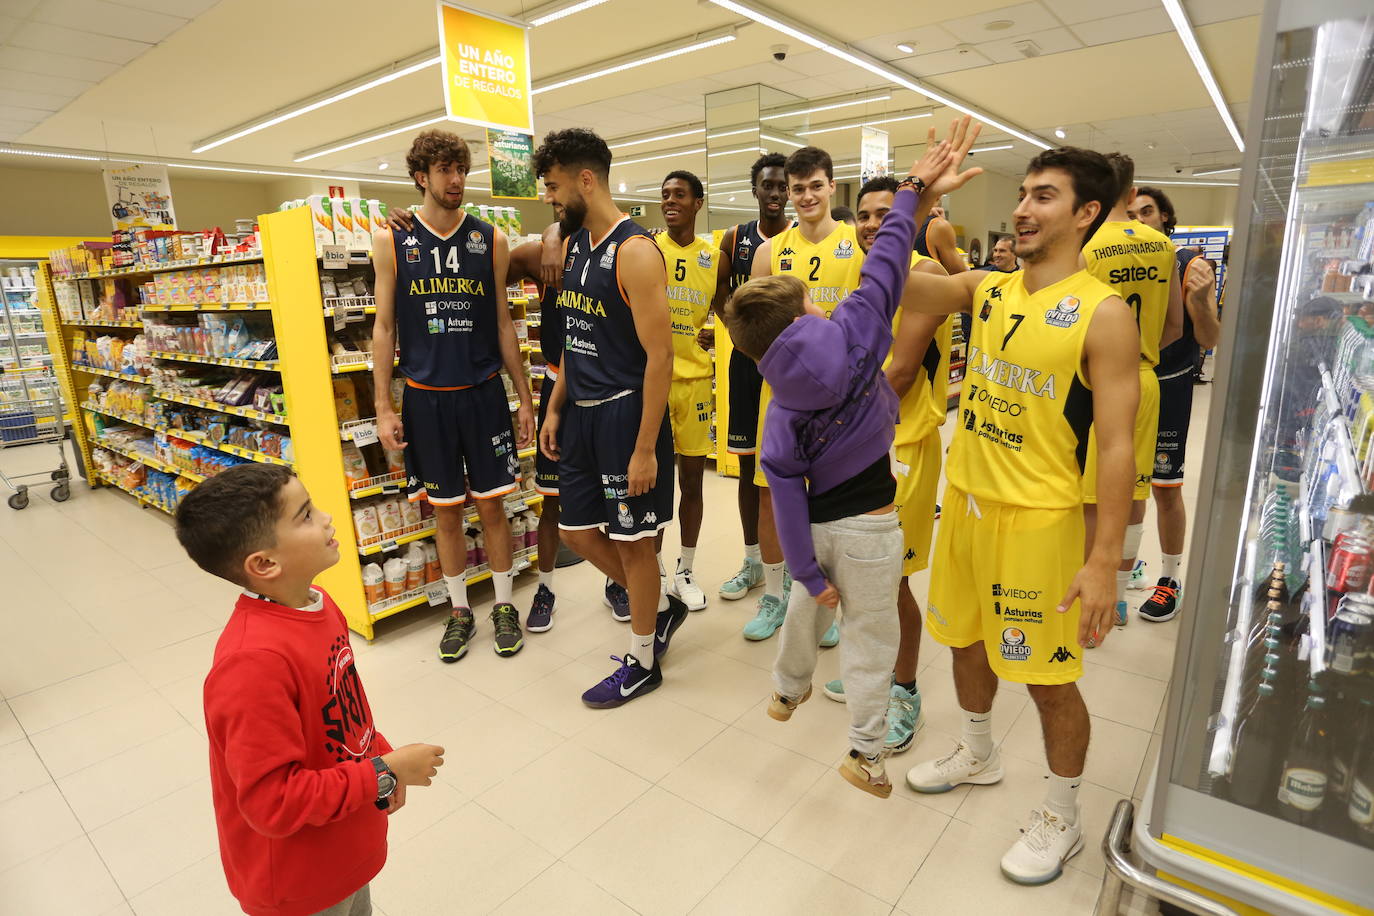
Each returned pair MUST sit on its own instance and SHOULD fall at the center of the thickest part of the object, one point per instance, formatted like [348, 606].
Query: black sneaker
[540, 619]
[1162, 604]
[457, 634]
[618, 600]
[506, 619]
[667, 624]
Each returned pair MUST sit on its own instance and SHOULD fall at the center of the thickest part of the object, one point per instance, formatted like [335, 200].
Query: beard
[574, 214]
[442, 200]
[1043, 244]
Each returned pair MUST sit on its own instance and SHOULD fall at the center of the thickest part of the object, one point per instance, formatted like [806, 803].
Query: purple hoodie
[833, 412]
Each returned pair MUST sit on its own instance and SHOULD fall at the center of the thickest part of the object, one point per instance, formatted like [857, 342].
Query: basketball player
[1053, 351]
[690, 262]
[935, 239]
[825, 255]
[738, 246]
[610, 403]
[918, 370]
[1138, 262]
[441, 294]
[1201, 332]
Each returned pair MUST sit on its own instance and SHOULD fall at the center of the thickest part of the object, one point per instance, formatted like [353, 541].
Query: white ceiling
[154, 76]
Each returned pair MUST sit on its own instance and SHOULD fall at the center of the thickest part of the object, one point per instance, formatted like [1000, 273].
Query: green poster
[512, 164]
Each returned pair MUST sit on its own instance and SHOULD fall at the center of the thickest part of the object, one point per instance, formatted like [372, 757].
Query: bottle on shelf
[1254, 767]
[1307, 764]
[1359, 798]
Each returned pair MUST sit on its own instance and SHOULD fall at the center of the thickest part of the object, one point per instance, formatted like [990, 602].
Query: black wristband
[911, 181]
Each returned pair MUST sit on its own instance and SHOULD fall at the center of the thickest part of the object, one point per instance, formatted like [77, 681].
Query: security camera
[1178, 170]
[779, 52]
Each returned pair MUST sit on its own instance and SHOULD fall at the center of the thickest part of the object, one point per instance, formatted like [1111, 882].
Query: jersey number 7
[1015, 325]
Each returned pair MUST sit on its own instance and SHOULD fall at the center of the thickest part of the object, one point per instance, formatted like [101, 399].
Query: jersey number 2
[451, 260]
[815, 270]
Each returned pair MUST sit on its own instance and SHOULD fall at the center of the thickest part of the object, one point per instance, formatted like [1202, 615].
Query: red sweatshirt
[291, 742]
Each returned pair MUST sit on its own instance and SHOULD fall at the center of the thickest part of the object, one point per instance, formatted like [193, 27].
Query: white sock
[546, 579]
[457, 590]
[684, 562]
[1123, 578]
[978, 733]
[1170, 563]
[642, 648]
[503, 582]
[752, 552]
[661, 571]
[772, 579]
[662, 596]
[1062, 797]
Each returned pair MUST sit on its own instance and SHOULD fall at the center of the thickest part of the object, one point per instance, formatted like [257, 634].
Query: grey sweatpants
[358, 903]
[862, 556]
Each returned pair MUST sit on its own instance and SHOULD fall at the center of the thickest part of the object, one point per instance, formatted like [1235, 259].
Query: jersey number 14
[451, 261]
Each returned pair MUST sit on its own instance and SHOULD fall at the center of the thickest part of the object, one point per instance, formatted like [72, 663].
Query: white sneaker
[1138, 582]
[959, 767]
[1039, 856]
[685, 587]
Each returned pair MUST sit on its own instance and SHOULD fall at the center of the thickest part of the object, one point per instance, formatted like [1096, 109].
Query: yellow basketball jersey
[691, 286]
[926, 403]
[1137, 262]
[829, 268]
[1025, 411]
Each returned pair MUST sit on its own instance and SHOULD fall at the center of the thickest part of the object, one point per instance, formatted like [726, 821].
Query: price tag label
[340, 318]
[335, 257]
[437, 594]
[365, 434]
[390, 488]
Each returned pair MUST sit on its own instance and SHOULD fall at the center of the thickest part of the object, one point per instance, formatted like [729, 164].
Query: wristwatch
[911, 181]
[386, 783]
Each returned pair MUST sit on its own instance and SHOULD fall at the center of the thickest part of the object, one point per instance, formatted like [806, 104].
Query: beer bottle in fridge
[1307, 764]
[1359, 802]
[1254, 766]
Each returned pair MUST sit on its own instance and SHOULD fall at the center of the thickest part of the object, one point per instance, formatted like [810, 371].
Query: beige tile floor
[692, 800]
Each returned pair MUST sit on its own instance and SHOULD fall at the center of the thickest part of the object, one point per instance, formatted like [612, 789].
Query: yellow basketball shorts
[690, 402]
[999, 573]
[1144, 435]
[917, 469]
[765, 398]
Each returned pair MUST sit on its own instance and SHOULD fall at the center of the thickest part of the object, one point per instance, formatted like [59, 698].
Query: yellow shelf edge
[206, 307]
[228, 362]
[246, 412]
[160, 268]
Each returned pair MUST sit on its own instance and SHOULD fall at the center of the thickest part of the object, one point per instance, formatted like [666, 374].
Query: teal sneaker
[834, 690]
[767, 620]
[831, 637]
[904, 718]
[749, 577]
[1138, 581]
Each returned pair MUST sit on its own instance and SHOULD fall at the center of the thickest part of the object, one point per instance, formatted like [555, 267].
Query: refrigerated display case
[1262, 796]
[23, 342]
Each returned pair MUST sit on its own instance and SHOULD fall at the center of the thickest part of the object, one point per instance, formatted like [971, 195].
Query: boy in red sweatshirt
[302, 781]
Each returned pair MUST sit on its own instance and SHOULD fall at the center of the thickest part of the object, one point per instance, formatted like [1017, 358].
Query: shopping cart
[31, 412]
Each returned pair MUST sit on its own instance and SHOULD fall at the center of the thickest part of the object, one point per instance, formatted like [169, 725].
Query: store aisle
[692, 801]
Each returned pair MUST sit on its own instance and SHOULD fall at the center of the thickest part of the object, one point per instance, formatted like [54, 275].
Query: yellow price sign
[486, 63]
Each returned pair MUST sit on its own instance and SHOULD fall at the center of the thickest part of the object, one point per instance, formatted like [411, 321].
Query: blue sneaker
[831, 637]
[540, 618]
[767, 620]
[749, 577]
[630, 680]
[667, 624]
[618, 600]
[1122, 613]
[834, 690]
[903, 718]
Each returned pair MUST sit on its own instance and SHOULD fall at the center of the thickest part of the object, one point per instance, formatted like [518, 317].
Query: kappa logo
[1062, 654]
[1064, 314]
[985, 311]
[608, 259]
[845, 249]
[786, 252]
[411, 241]
[996, 292]
[412, 256]
[745, 242]
[704, 260]
[650, 518]
[1014, 648]
[476, 244]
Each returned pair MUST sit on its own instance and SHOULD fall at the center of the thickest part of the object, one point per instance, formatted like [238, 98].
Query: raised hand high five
[938, 168]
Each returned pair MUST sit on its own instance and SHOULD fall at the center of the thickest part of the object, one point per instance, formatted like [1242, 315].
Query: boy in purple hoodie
[825, 452]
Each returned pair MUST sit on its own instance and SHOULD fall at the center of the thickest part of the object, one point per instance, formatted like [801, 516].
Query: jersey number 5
[451, 260]
[680, 272]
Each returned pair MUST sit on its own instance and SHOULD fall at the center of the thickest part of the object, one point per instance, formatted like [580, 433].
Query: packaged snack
[395, 461]
[355, 468]
[410, 513]
[517, 534]
[345, 399]
[367, 524]
[433, 570]
[415, 567]
[374, 587]
[394, 574]
[390, 517]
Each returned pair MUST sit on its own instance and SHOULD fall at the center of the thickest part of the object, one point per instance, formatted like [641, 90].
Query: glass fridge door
[1267, 765]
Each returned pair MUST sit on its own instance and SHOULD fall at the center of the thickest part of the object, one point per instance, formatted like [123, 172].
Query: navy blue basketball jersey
[446, 304]
[551, 327]
[747, 242]
[1181, 355]
[601, 352]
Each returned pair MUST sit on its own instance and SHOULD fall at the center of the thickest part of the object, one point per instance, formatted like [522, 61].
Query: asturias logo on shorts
[624, 517]
[1014, 648]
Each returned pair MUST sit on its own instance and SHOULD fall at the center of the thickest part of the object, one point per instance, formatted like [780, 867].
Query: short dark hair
[1092, 175]
[842, 213]
[574, 149]
[807, 160]
[230, 516]
[437, 147]
[1165, 205]
[693, 181]
[766, 161]
[760, 310]
[877, 183]
[1124, 167]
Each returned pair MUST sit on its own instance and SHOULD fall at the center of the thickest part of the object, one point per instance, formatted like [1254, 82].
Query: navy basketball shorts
[459, 441]
[1171, 440]
[746, 382]
[594, 487]
[545, 468]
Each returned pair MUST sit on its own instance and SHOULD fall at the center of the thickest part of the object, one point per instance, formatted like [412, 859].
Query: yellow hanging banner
[486, 62]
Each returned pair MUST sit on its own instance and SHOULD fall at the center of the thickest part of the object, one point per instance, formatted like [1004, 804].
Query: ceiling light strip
[347, 90]
[1185, 182]
[681, 152]
[555, 11]
[1215, 172]
[1185, 34]
[621, 144]
[786, 141]
[826, 106]
[764, 16]
[867, 122]
[991, 149]
[359, 139]
[636, 59]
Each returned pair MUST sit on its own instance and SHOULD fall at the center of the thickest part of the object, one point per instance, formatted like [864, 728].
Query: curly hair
[766, 161]
[1166, 207]
[437, 147]
[807, 160]
[574, 149]
[1093, 177]
[877, 183]
[693, 182]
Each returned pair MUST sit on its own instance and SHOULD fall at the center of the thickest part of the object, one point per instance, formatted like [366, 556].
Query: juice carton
[343, 222]
[362, 225]
[322, 218]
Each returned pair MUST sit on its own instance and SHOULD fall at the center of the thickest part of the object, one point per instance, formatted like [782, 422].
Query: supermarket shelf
[527, 453]
[416, 597]
[106, 323]
[122, 417]
[248, 412]
[195, 436]
[143, 499]
[162, 267]
[265, 365]
[378, 485]
[14, 311]
[110, 373]
[350, 305]
[348, 363]
[208, 307]
[392, 543]
[20, 289]
[149, 461]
